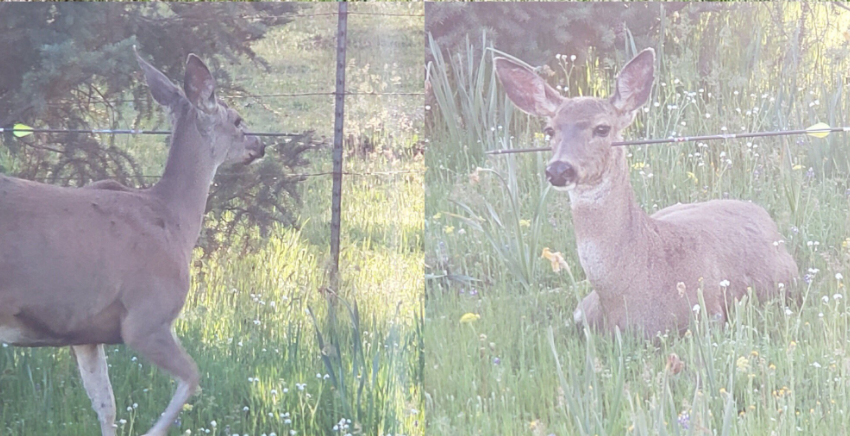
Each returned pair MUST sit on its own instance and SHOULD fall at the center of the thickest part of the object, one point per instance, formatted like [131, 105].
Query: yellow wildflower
[524, 223]
[743, 364]
[555, 258]
[693, 177]
[469, 317]
[449, 229]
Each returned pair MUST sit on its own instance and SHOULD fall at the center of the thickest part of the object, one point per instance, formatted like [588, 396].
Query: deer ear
[635, 82]
[162, 89]
[199, 85]
[529, 92]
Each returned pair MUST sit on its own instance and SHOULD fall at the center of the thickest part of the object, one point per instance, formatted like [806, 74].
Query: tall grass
[267, 364]
[523, 367]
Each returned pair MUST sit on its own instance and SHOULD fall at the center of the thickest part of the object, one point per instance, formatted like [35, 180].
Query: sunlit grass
[246, 325]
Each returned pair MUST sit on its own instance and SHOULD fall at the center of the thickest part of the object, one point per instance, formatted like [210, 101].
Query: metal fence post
[339, 119]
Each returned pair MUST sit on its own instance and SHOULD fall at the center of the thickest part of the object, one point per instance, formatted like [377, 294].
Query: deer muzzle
[560, 173]
[256, 150]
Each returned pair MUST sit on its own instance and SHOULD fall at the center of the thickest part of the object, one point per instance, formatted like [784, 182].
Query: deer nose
[257, 148]
[560, 173]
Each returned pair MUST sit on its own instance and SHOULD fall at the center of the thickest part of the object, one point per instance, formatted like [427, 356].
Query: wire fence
[325, 173]
[344, 93]
[261, 96]
[331, 14]
[338, 140]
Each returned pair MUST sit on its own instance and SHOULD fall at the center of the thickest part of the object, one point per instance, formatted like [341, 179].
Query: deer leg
[588, 312]
[91, 360]
[159, 345]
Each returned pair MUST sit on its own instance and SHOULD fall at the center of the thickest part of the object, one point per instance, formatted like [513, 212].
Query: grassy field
[519, 366]
[254, 322]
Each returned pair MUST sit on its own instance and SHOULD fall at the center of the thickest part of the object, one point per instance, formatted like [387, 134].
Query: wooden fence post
[339, 120]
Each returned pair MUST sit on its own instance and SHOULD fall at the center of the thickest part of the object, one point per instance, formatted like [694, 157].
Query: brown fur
[107, 264]
[636, 263]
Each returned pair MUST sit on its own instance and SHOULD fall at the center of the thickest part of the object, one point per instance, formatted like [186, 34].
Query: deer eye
[550, 132]
[601, 130]
[238, 122]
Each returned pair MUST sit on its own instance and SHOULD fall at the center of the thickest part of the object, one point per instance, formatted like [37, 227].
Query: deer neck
[189, 171]
[610, 228]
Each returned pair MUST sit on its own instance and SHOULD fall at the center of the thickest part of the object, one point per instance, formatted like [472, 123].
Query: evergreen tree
[71, 66]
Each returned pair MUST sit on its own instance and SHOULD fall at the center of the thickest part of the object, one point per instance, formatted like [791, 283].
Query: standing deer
[645, 270]
[106, 264]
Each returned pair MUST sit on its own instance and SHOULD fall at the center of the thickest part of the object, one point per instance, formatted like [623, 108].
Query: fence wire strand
[329, 14]
[328, 173]
[261, 96]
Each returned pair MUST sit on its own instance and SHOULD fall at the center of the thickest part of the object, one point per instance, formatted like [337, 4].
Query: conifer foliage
[71, 66]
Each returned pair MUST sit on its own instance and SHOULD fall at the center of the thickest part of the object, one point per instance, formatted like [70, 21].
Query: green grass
[275, 356]
[524, 368]
[246, 325]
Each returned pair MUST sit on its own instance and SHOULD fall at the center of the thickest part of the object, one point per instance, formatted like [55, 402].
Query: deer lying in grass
[645, 270]
[106, 264]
